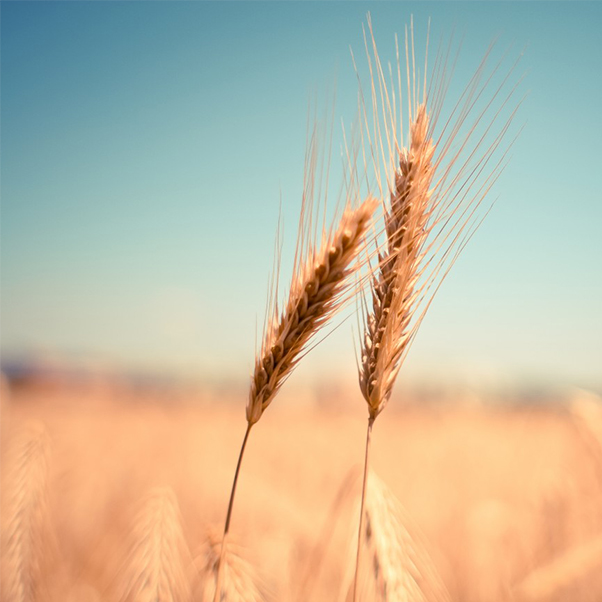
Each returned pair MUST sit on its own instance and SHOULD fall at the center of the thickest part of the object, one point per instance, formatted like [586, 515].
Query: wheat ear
[153, 567]
[240, 580]
[25, 517]
[317, 291]
[315, 295]
[386, 333]
[433, 193]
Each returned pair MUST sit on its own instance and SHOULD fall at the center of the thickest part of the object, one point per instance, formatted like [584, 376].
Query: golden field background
[506, 501]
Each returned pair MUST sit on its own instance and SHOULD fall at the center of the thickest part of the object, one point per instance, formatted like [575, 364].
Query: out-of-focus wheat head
[240, 581]
[395, 565]
[27, 544]
[154, 565]
[434, 183]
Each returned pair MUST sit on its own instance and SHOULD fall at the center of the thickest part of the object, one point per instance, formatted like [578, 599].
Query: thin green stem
[361, 527]
[220, 566]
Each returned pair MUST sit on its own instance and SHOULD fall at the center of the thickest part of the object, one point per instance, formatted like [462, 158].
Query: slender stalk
[361, 527]
[220, 566]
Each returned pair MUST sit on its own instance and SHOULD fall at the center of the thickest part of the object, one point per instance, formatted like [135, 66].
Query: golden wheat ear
[153, 568]
[316, 293]
[434, 183]
[27, 545]
[240, 582]
[394, 284]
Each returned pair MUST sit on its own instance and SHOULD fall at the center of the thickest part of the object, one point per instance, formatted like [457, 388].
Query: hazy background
[146, 148]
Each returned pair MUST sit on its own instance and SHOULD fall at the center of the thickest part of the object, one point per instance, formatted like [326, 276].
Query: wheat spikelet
[153, 567]
[25, 536]
[396, 566]
[315, 295]
[239, 579]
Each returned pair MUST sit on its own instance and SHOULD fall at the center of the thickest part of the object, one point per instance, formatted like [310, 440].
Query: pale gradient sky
[146, 147]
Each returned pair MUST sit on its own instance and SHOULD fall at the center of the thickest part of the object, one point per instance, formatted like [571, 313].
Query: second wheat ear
[394, 284]
[320, 286]
[434, 186]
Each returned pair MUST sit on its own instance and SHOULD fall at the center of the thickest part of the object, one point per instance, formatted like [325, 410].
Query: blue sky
[146, 148]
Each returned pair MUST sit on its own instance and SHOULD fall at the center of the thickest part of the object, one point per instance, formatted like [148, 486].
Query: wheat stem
[361, 527]
[242, 451]
[220, 567]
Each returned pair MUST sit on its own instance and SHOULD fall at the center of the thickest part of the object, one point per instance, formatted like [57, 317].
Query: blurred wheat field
[508, 502]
